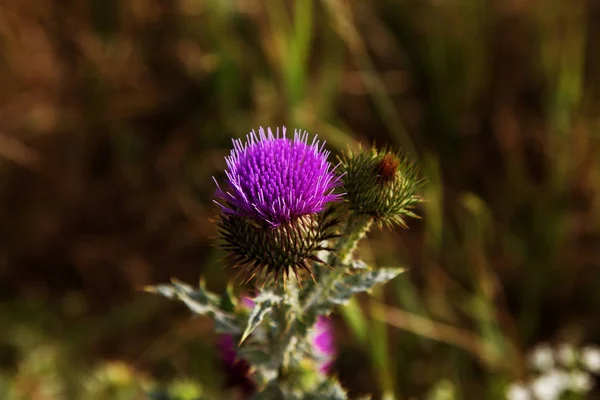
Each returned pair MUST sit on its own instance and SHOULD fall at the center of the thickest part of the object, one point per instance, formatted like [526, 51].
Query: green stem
[286, 318]
[280, 341]
[356, 228]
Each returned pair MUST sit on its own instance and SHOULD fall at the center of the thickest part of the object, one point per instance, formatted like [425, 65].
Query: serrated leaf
[362, 280]
[328, 390]
[358, 264]
[271, 392]
[228, 301]
[263, 303]
[201, 302]
[356, 319]
[256, 355]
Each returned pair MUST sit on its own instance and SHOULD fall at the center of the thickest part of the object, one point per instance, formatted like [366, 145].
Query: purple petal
[227, 349]
[323, 341]
[276, 179]
[325, 367]
[247, 302]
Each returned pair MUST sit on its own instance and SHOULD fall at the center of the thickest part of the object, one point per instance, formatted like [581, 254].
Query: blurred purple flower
[322, 339]
[323, 342]
[237, 370]
[247, 302]
[276, 179]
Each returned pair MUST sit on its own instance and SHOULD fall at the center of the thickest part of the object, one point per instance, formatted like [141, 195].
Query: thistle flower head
[382, 184]
[277, 189]
[276, 179]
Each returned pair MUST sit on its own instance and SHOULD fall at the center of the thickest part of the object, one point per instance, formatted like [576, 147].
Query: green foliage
[443, 390]
[274, 338]
[47, 371]
[360, 281]
[179, 390]
[284, 339]
[202, 302]
[263, 303]
[328, 390]
[382, 187]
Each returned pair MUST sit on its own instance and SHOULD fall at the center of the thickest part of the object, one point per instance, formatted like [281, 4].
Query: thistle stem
[356, 228]
[281, 339]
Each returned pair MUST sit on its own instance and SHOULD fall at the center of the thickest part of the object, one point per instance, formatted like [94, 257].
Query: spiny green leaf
[362, 280]
[256, 355]
[263, 303]
[201, 302]
[328, 390]
[271, 392]
[359, 264]
[228, 301]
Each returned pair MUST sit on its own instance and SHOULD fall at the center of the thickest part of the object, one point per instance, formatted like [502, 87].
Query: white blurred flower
[566, 355]
[550, 385]
[542, 357]
[580, 382]
[518, 391]
[590, 358]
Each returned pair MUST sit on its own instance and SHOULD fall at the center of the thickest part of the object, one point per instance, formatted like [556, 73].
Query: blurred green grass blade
[296, 64]
[105, 17]
[442, 390]
[293, 42]
[341, 14]
[374, 335]
[356, 320]
[408, 297]
[433, 206]
[380, 346]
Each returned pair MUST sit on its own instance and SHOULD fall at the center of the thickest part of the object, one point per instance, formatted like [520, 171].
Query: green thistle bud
[381, 184]
[259, 247]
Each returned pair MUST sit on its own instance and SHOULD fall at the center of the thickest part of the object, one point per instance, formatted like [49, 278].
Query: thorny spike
[255, 246]
[297, 277]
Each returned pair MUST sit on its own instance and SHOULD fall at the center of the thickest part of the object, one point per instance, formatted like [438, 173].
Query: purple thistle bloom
[276, 179]
[324, 343]
[275, 215]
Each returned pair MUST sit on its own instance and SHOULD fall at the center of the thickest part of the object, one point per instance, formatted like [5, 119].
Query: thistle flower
[381, 184]
[278, 188]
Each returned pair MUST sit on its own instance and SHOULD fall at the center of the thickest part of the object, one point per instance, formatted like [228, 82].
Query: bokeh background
[115, 115]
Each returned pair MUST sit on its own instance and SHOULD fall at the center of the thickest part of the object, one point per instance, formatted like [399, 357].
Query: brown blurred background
[114, 116]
